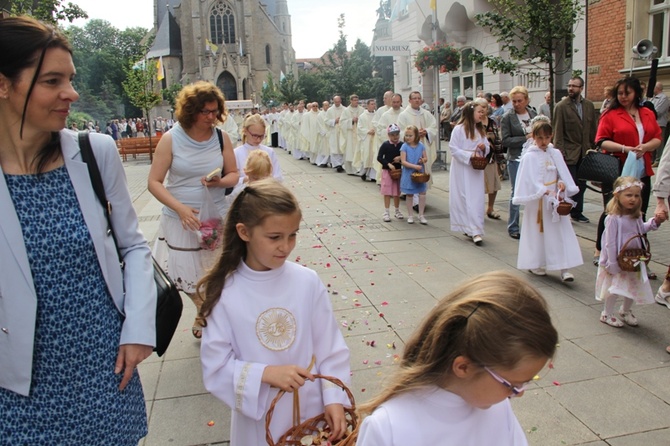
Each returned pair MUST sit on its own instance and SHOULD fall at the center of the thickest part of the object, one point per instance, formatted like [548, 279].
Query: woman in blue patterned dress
[73, 325]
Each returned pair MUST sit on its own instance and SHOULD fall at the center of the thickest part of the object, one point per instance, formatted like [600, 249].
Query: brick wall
[606, 45]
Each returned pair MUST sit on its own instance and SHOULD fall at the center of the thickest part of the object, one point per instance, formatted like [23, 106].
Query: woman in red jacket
[627, 126]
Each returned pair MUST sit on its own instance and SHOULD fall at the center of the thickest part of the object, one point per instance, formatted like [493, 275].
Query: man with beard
[575, 125]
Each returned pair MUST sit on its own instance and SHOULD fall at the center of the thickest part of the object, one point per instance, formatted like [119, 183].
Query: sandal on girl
[610, 320]
[493, 215]
[628, 317]
[596, 260]
[196, 330]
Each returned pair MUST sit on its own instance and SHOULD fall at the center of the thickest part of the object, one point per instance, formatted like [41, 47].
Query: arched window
[469, 80]
[268, 59]
[222, 24]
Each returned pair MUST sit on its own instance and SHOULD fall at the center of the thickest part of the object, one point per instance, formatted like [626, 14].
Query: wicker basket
[315, 425]
[630, 259]
[395, 174]
[478, 162]
[563, 208]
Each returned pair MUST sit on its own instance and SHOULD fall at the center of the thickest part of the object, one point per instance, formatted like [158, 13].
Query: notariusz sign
[390, 48]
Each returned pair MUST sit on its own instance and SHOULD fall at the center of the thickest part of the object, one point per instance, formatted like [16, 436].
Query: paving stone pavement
[609, 386]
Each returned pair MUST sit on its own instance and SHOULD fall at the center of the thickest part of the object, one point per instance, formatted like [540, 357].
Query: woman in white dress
[466, 185]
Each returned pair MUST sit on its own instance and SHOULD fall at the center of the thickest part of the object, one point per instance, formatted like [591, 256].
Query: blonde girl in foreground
[482, 344]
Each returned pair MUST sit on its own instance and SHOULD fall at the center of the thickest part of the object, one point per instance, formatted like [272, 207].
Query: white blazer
[133, 290]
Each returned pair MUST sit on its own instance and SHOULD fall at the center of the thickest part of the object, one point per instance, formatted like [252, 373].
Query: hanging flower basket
[441, 55]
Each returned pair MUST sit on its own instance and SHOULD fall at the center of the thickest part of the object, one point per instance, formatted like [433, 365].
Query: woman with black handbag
[627, 126]
[73, 325]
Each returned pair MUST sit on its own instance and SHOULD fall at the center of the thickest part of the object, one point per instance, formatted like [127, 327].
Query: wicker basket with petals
[563, 208]
[478, 162]
[314, 431]
[630, 259]
[395, 174]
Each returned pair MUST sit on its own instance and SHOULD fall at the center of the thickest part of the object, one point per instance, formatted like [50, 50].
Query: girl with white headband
[624, 220]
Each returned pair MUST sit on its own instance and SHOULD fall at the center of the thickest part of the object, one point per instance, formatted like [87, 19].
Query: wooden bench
[137, 146]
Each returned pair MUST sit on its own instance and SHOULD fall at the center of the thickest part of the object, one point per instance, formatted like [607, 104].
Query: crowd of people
[75, 322]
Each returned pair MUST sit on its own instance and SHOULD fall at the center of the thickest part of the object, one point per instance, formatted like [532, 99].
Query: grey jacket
[133, 290]
[513, 134]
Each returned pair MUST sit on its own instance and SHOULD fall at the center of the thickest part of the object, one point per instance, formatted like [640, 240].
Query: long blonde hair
[495, 320]
[252, 206]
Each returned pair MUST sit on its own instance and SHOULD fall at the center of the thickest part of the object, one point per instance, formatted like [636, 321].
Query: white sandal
[610, 320]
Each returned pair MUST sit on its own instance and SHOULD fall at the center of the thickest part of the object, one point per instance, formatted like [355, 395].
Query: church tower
[232, 43]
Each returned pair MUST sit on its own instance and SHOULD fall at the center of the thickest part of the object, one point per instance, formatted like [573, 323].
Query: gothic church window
[222, 24]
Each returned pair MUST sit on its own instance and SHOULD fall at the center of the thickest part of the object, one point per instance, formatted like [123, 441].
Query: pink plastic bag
[211, 223]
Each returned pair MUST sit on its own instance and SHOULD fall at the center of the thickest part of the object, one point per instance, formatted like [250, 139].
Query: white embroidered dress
[277, 317]
[547, 239]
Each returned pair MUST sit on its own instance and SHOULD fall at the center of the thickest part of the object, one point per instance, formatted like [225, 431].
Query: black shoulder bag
[168, 305]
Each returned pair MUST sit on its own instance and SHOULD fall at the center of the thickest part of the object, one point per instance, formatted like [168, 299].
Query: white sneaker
[386, 217]
[398, 214]
[663, 297]
[410, 219]
[566, 276]
[538, 271]
[423, 220]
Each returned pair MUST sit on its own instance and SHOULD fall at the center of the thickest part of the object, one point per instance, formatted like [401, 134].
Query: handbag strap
[219, 135]
[96, 181]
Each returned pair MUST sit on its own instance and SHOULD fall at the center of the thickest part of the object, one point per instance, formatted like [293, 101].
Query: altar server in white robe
[323, 153]
[381, 130]
[281, 125]
[333, 124]
[349, 133]
[368, 143]
[252, 131]
[479, 346]
[548, 241]
[264, 333]
[466, 185]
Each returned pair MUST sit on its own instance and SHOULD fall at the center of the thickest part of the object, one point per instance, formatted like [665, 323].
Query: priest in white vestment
[311, 131]
[368, 145]
[323, 151]
[415, 115]
[381, 132]
[333, 125]
[348, 128]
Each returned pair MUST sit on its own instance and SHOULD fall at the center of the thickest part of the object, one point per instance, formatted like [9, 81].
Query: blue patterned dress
[407, 186]
[74, 397]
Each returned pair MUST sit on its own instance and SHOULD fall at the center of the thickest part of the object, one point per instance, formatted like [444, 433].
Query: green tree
[100, 53]
[138, 86]
[289, 89]
[538, 33]
[170, 94]
[270, 94]
[50, 11]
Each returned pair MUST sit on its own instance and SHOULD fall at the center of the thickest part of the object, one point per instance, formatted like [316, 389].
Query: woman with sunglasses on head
[187, 154]
[73, 324]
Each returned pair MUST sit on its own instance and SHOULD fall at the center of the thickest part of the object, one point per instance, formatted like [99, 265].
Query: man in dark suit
[575, 126]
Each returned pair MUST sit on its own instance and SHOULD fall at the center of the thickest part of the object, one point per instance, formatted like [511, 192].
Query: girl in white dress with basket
[269, 325]
[622, 268]
[548, 241]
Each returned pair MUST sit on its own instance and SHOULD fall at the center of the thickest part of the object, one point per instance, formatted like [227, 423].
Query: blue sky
[314, 22]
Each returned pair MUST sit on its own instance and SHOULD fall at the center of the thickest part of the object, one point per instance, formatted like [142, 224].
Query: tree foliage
[101, 52]
[538, 34]
[51, 11]
[271, 96]
[345, 72]
[289, 89]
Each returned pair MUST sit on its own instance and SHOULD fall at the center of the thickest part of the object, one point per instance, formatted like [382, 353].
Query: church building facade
[232, 43]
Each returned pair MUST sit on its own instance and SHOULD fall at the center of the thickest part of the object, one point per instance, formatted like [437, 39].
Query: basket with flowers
[440, 55]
